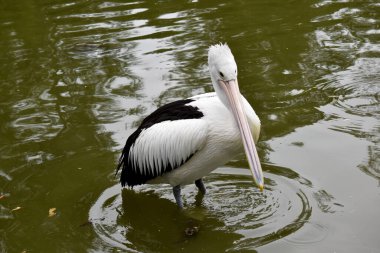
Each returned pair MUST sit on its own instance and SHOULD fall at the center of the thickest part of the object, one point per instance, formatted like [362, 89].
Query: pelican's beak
[231, 89]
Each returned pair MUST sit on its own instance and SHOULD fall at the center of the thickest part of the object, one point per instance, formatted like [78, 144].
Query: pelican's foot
[201, 186]
[177, 195]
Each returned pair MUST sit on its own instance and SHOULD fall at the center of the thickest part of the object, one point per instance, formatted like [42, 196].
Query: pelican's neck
[220, 94]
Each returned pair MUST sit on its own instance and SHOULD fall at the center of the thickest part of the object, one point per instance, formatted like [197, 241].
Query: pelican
[183, 141]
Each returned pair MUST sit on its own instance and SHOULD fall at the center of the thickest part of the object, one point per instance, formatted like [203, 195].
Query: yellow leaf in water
[52, 212]
[16, 208]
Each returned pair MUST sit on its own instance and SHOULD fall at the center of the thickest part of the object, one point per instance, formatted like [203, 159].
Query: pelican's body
[218, 135]
[185, 140]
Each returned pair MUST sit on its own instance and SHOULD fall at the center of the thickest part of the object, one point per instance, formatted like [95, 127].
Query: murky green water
[77, 78]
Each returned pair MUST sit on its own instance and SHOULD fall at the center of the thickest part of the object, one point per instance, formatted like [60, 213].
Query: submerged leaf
[52, 212]
[16, 208]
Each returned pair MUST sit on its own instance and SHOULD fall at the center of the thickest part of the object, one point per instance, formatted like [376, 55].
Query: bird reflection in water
[154, 223]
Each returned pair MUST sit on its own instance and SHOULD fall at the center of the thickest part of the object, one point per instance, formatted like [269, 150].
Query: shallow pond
[77, 77]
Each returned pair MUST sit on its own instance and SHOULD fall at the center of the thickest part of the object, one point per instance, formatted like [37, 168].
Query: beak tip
[261, 187]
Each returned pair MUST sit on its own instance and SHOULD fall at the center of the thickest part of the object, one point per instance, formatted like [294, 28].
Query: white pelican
[185, 140]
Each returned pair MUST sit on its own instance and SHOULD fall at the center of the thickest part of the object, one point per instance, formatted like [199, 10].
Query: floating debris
[191, 231]
[298, 143]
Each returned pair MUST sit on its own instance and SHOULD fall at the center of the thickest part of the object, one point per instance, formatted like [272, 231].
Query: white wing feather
[167, 143]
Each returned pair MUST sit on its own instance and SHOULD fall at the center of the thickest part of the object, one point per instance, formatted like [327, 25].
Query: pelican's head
[222, 67]
[223, 71]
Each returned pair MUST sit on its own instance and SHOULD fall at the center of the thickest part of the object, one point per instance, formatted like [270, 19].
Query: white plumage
[218, 140]
[168, 142]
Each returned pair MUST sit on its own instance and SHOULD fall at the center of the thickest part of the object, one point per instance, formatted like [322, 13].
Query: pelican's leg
[177, 195]
[200, 185]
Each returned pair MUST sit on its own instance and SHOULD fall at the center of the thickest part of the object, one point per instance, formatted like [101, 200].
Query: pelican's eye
[221, 74]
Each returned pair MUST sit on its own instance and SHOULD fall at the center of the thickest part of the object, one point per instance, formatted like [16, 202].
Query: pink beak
[231, 89]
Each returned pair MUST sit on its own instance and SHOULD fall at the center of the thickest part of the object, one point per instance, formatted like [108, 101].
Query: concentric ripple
[234, 215]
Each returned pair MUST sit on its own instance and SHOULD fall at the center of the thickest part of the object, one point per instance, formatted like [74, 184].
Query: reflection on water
[78, 77]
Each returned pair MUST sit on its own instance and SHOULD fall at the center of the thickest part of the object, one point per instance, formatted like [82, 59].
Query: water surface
[77, 77]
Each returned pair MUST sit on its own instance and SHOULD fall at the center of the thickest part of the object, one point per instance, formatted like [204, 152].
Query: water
[78, 77]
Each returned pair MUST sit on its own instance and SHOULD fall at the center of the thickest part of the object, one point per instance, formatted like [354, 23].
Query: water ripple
[351, 40]
[131, 220]
[31, 123]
